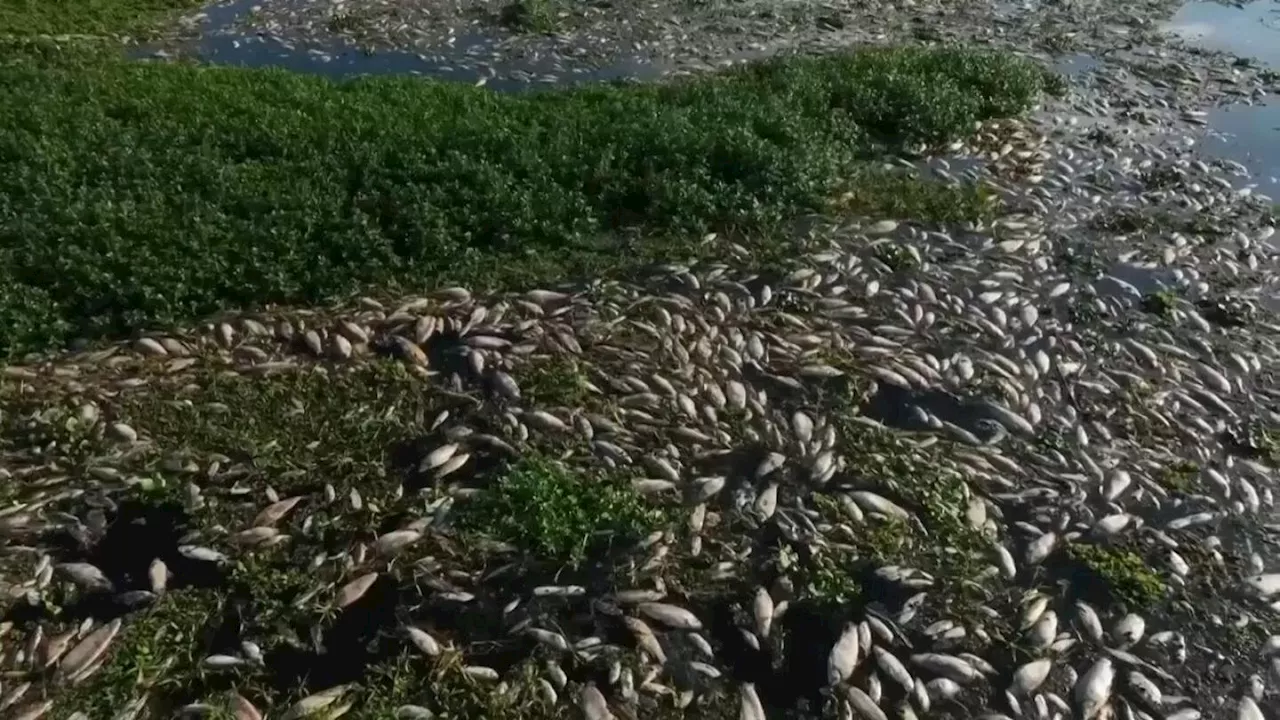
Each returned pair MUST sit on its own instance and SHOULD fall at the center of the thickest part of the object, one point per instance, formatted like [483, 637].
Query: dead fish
[1247, 709]
[1029, 677]
[1093, 689]
[314, 703]
[891, 666]
[750, 707]
[89, 649]
[1129, 629]
[762, 609]
[947, 666]
[593, 704]
[243, 709]
[670, 615]
[84, 575]
[355, 589]
[395, 541]
[844, 655]
[276, 511]
[422, 640]
[158, 576]
[862, 704]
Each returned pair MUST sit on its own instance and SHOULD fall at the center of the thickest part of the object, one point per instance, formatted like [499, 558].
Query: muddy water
[1249, 134]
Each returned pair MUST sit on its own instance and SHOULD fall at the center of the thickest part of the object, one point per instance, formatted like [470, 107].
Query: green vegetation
[557, 514]
[531, 16]
[1158, 220]
[832, 579]
[556, 381]
[943, 541]
[24, 18]
[1127, 577]
[921, 480]
[1179, 476]
[1266, 444]
[139, 194]
[158, 651]
[1160, 302]
[300, 428]
[883, 193]
[834, 576]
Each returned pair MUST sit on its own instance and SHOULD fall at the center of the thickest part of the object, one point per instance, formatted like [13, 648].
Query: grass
[559, 515]
[556, 381]
[145, 194]
[23, 18]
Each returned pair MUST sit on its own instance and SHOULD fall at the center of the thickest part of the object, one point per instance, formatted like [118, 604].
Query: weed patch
[1126, 576]
[559, 514]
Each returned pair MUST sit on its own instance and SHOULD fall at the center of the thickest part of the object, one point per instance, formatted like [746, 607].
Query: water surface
[1248, 134]
[473, 57]
[1250, 31]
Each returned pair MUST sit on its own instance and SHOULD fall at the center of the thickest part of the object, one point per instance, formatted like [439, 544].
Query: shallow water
[1250, 31]
[474, 58]
[1250, 135]
[1246, 134]
[1077, 64]
[1144, 279]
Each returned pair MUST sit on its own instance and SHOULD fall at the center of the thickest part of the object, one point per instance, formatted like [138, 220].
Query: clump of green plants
[1228, 311]
[559, 514]
[1128, 577]
[271, 584]
[1257, 440]
[344, 22]
[409, 182]
[1179, 476]
[890, 193]
[832, 579]
[886, 542]
[447, 692]
[923, 481]
[1267, 443]
[554, 381]
[1160, 302]
[940, 539]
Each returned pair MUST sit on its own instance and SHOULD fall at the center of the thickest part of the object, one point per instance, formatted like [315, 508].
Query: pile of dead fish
[1056, 367]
